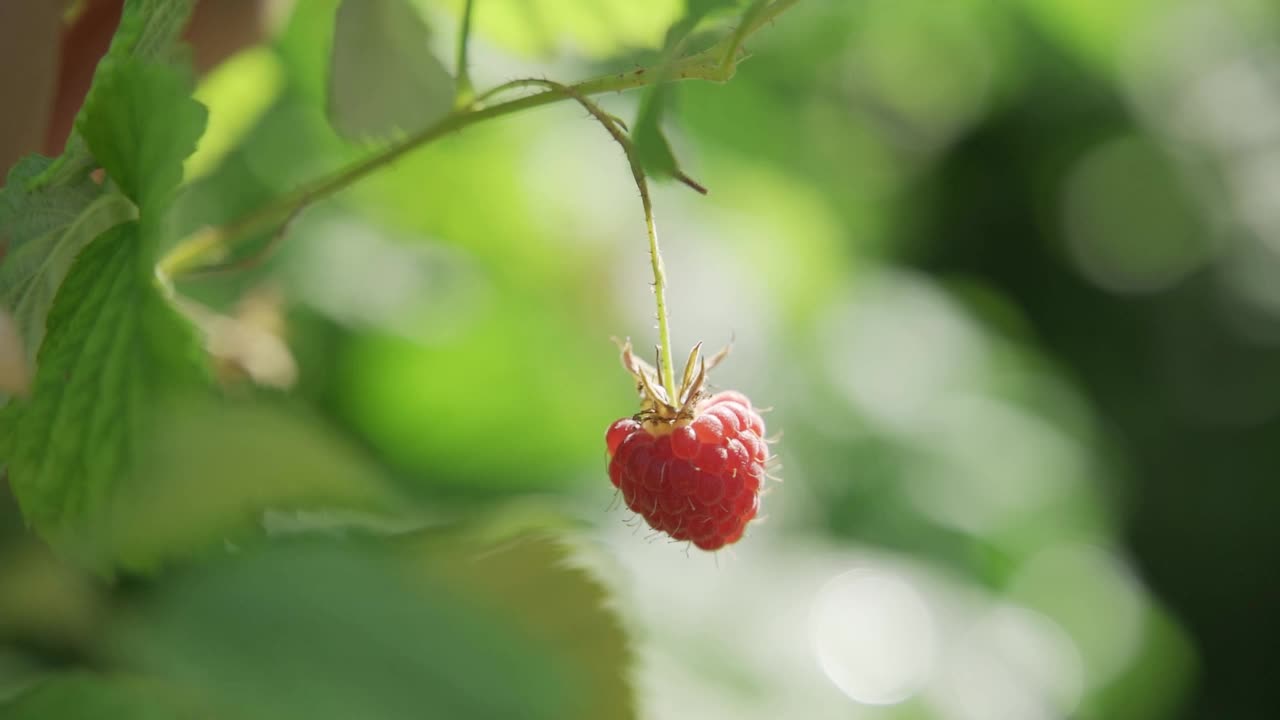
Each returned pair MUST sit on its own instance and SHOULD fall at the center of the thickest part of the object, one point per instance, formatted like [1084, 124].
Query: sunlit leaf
[237, 93]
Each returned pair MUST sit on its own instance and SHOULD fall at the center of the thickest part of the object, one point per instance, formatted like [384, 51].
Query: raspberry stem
[659, 286]
[615, 129]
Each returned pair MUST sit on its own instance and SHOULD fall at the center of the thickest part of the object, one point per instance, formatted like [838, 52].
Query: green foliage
[449, 316]
[148, 31]
[210, 470]
[51, 209]
[81, 696]
[140, 126]
[531, 581]
[114, 345]
[46, 228]
[651, 145]
[384, 76]
[27, 214]
[429, 626]
[320, 630]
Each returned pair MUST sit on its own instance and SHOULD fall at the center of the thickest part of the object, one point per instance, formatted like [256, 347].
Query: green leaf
[212, 469]
[532, 581]
[313, 630]
[46, 228]
[114, 346]
[383, 74]
[26, 214]
[139, 118]
[140, 125]
[81, 696]
[148, 30]
[651, 146]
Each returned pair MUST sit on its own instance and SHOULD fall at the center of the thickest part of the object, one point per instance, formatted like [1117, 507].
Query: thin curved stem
[757, 16]
[521, 83]
[659, 294]
[612, 125]
[216, 243]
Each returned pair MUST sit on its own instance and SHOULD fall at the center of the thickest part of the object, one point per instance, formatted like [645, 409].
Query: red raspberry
[692, 471]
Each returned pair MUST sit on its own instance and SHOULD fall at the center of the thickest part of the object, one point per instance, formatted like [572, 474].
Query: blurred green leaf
[18, 672]
[140, 126]
[114, 345]
[237, 93]
[651, 145]
[316, 630]
[532, 580]
[212, 469]
[384, 76]
[43, 601]
[81, 696]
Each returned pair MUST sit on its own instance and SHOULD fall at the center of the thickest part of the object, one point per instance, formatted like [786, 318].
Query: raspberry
[692, 469]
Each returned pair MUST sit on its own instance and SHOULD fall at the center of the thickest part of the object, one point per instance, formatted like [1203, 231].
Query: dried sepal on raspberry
[692, 466]
[658, 411]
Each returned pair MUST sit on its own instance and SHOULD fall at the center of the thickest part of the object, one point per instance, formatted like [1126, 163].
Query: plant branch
[464, 91]
[213, 244]
[613, 125]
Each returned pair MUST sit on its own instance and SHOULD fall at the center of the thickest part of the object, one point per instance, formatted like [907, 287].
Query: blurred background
[1007, 272]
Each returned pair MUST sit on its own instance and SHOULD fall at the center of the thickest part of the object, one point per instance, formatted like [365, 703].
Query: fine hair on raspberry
[693, 469]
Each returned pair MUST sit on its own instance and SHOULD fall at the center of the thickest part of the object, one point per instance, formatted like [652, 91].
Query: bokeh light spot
[1129, 227]
[874, 636]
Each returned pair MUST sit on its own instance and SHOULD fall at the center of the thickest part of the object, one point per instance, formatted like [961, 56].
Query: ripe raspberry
[692, 470]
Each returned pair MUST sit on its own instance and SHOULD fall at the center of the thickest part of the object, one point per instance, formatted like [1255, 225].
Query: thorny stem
[716, 64]
[614, 126]
[756, 17]
[659, 290]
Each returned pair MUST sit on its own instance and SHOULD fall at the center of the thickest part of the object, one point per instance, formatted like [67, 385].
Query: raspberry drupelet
[691, 468]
